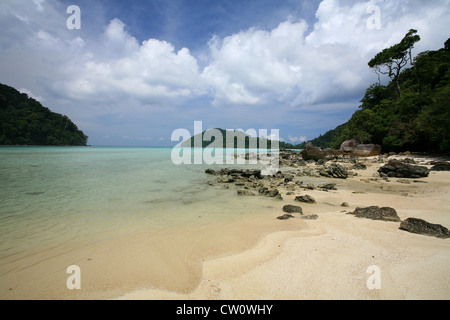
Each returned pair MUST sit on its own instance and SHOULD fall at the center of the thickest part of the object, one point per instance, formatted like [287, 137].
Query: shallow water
[57, 200]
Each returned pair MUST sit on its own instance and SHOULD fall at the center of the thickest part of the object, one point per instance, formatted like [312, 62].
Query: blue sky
[138, 70]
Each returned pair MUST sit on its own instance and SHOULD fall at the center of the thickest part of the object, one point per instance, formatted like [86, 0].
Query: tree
[395, 58]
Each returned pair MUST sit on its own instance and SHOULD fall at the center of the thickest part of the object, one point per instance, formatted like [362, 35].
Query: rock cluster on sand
[318, 163]
[413, 225]
[399, 169]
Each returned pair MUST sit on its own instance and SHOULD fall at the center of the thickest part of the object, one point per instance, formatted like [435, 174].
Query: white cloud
[31, 95]
[289, 66]
[149, 72]
[296, 140]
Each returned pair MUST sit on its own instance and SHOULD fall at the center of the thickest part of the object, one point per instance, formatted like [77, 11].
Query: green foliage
[326, 140]
[24, 121]
[418, 120]
[394, 58]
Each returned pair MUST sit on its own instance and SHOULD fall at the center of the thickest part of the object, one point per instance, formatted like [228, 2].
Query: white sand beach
[328, 258]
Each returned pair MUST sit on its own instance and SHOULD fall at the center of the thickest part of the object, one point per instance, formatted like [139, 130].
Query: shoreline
[329, 259]
[254, 255]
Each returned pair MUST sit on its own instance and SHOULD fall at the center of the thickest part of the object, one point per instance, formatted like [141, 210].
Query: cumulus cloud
[151, 71]
[288, 65]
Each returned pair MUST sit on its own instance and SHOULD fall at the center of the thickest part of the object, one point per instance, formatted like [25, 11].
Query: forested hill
[412, 112]
[24, 121]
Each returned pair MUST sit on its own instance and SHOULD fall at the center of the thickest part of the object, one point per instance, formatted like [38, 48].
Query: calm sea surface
[60, 196]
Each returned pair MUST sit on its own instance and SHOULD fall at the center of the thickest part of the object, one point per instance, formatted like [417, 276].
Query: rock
[328, 186]
[273, 193]
[312, 153]
[210, 171]
[244, 192]
[285, 216]
[398, 169]
[420, 226]
[359, 166]
[367, 150]
[292, 209]
[305, 199]
[349, 145]
[344, 204]
[441, 166]
[334, 171]
[376, 213]
[310, 217]
[409, 161]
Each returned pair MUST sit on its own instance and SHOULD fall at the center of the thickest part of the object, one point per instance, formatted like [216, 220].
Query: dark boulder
[376, 213]
[313, 153]
[420, 226]
[398, 169]
[292, 209]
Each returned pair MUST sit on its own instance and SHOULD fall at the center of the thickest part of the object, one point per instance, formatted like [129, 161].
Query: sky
[135, 71]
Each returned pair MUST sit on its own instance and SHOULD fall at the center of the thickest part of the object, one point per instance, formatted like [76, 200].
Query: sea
[57, 200]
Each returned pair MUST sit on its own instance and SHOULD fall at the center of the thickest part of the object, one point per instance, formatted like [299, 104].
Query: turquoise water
[60, 196]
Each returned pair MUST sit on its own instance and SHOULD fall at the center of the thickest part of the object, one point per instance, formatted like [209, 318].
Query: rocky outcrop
[376, 213]
[334, 171]
[367, 150]
[420, 226]
[398, 169]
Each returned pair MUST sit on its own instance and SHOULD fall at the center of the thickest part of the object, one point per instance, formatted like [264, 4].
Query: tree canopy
[416, 120]
[419, 119]
[395, 58]
[24, 121]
